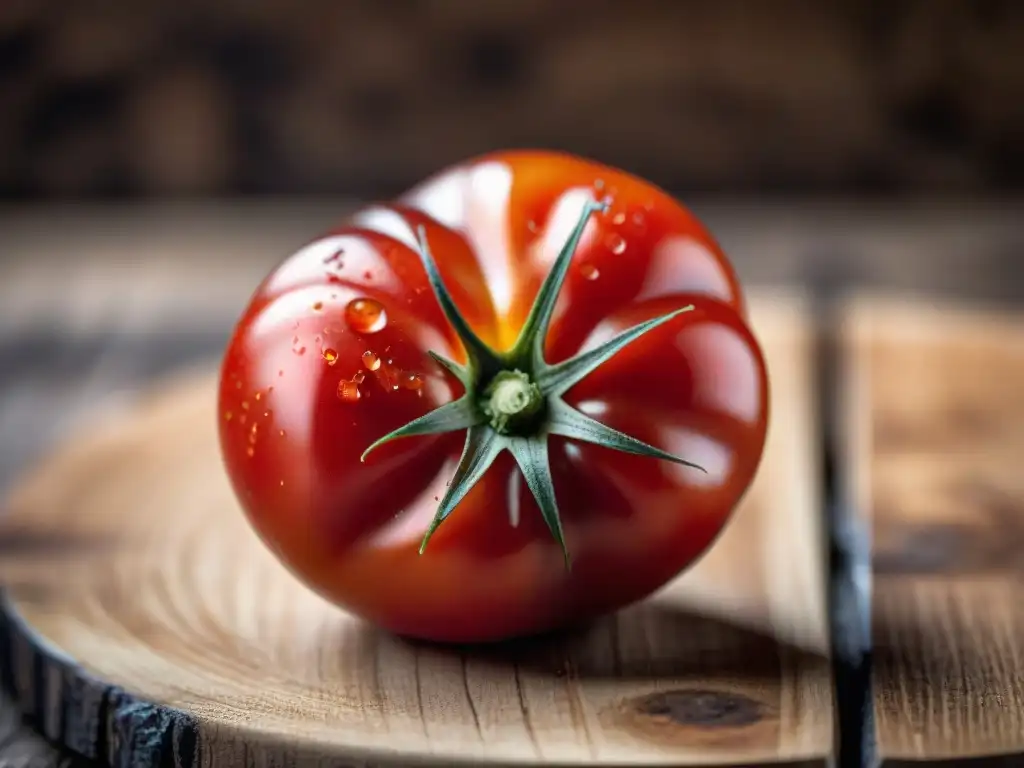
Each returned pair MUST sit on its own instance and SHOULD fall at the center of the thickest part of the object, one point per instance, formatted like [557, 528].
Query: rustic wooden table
[96, 302]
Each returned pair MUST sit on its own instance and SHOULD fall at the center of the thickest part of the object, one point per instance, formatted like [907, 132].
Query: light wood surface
[938, 415]
[146, 618]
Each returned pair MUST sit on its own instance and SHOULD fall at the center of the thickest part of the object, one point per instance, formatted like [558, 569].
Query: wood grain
[147, 621]
[939, 420]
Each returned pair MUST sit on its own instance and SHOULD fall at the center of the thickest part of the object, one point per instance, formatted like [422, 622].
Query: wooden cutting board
[144, 621]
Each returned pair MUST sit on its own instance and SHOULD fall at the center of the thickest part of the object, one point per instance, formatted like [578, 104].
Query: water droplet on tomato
[258, 395]
[366, 316]
[317, 306]
[598, 184]
[617, 245]
[348, 391]
[531, 225]
[242, 419]
[412, 381]
[245, 405]
[330, 356]
[281, 432]
[250, 451]
[281, 483]
[619, 218]
[371, 361]
[228, 415]
[238, 384]
[589, 271]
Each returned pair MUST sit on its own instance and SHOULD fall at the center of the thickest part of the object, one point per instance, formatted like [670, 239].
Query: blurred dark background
[151, 97]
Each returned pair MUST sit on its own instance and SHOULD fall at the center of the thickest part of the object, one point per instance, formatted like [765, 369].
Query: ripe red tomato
[332, 354]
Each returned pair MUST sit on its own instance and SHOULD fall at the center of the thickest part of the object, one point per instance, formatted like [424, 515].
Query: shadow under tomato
[687, 681]
[648, 641]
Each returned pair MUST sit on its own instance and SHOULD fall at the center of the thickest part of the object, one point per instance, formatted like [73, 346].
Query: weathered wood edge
[91, 718]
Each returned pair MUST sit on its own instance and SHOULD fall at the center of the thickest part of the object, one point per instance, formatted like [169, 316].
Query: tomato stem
[513, 400]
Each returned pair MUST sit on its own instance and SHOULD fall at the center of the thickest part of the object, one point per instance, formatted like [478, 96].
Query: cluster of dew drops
[615, 241]
[255, 416]
[364, 316]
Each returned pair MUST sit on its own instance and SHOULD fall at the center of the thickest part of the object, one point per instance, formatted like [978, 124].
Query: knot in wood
[703, 708]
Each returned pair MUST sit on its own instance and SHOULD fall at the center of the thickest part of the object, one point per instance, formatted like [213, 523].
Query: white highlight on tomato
[682, 263]
[387, 222]
[564, 216]
[487, 228]
[475, 201]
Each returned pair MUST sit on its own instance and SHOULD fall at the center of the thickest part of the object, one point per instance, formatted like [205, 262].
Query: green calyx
[513, 400]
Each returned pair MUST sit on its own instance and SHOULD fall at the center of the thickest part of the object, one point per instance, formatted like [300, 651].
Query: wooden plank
[938, 421]
[154, 623]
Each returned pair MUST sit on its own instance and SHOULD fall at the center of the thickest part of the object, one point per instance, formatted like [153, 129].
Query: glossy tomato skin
[331, 354]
